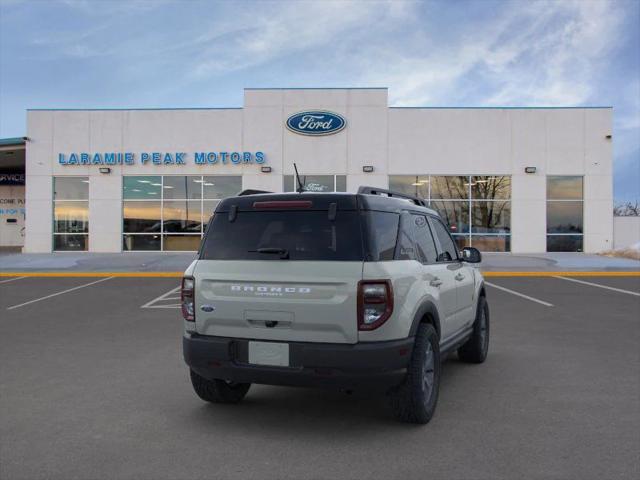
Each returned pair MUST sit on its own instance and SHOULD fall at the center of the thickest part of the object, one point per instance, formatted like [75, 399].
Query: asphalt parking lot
[94, 386]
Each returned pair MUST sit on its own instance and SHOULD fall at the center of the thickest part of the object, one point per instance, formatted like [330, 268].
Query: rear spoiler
[251, 191]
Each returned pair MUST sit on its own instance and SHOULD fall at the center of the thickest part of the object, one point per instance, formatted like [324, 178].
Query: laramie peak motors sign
[316, 122]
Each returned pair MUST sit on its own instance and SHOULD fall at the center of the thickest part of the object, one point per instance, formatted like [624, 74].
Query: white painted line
[59, 293]
[599, 285]
[12, 279]
[160, 298]
[178, 305]
[518, 294]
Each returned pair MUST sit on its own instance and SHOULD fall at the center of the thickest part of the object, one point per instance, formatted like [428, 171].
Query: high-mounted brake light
[187, 299]
[283, 204]
[375, 303]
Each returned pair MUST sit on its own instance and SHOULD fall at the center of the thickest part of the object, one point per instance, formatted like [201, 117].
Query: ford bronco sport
[343, 290]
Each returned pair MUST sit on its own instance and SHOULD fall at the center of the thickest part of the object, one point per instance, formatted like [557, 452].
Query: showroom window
[70, 213]
[475, 208]
[564, 214]
[170, 213]
[317, 183]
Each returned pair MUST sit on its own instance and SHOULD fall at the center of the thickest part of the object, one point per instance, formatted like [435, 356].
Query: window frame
[429, 231]
[439, 247]
[468, 235]
[162, 233]
[334, 175]
[54, 200]
[549, 200]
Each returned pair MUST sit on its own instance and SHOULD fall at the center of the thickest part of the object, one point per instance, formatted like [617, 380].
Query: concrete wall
[454, 141]
[626, 231]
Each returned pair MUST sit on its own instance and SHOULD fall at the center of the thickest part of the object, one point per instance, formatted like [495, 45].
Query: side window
[405, 249]
[424, 241]
[383, 229]
[448, 247]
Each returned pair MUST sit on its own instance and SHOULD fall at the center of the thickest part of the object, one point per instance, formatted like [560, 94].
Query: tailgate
[298, 301]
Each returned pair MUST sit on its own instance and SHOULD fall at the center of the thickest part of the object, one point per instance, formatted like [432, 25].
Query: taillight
[187, 299]
[375, 303]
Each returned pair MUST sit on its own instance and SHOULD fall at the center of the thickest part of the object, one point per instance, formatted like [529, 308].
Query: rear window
[304, 235]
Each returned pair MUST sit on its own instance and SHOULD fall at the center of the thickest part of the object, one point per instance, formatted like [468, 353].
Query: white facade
[395, 141]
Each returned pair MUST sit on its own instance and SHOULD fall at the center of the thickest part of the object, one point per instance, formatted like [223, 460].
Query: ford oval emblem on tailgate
[207, 308]
[316, 122]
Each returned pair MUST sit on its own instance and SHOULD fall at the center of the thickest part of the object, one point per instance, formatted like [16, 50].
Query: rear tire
[218, 391]
[415, 400]
[476, 348]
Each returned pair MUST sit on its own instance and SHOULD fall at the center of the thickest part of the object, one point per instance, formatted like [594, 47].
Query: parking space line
[12, 279]
[518, 294]
[164, 296]
[58, 293]
[599, 285]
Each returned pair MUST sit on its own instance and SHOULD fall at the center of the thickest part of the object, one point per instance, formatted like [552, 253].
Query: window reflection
[182, 216]
[178, 206]
[140, 242]
[453, 187]
[71, 217]
[71, 188]
[221, 186]
[417, 186]
[70, 242]
[455, 215]
[316, 183]
[491, 217]
[70, 213]
[181, 242]
[492, 243]
[141, 217]
[184, 187]
[564, 243]
[564, 188]
[142, 187]
[564, 217]
[490, 187]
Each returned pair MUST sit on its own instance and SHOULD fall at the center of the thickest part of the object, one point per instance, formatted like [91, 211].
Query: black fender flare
[427, 308]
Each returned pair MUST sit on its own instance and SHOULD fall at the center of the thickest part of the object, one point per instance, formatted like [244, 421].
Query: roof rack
[251, 191]
[390, 193]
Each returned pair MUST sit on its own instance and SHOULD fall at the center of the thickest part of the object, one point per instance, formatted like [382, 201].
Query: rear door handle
[459, 277]
[436, 282]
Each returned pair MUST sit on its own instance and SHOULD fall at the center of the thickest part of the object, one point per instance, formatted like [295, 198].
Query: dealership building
[517, 179]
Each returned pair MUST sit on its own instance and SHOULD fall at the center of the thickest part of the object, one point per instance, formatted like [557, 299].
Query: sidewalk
[177, 262]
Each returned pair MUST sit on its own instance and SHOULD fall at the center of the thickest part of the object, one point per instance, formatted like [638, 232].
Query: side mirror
[471, 255]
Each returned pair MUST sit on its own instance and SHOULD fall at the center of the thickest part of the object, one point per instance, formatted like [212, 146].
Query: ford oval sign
[316, 122]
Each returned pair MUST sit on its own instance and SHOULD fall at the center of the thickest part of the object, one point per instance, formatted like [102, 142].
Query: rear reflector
[284, 204]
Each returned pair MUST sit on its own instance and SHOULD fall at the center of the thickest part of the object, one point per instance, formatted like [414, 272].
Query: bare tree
[628, 209]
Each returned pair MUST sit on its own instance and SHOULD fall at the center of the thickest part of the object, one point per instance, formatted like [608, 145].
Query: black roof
[321, 201]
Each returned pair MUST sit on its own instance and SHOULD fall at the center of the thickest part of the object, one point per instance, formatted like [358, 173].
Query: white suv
[343, 290]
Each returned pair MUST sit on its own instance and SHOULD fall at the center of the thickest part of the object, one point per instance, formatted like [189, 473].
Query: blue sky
[91, 53]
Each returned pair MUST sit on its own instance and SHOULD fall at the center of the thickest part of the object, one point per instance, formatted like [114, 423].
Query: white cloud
[283, 29]
[541, 53]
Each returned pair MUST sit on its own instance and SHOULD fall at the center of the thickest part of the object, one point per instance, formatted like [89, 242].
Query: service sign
[316, 122]
[11, 178]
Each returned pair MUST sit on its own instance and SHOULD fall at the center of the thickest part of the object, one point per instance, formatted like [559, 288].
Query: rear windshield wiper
[283, 252]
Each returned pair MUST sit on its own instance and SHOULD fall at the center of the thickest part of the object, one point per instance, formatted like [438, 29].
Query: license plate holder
[274, 354]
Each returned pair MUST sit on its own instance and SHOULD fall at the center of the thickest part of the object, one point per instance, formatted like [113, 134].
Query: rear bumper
[375, 365]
